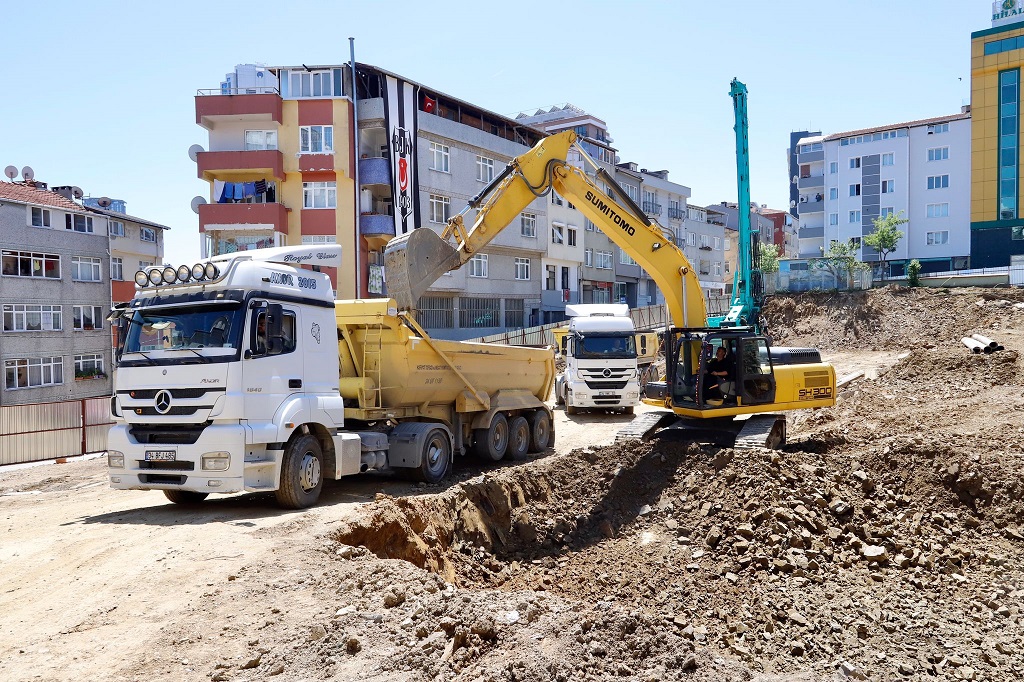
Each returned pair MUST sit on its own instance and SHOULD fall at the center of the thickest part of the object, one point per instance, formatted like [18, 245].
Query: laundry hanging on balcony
[259, 191]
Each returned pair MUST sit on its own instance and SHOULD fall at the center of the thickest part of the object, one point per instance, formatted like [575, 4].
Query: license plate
[160, 455]
[604, 393]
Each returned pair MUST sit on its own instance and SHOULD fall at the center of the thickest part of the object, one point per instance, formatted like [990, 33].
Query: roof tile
[25, 194]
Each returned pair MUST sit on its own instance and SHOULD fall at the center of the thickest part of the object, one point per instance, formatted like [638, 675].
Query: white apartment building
[698, 235]
[921, 168]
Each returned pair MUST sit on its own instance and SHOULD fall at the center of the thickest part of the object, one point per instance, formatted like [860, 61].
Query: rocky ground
[883, 542]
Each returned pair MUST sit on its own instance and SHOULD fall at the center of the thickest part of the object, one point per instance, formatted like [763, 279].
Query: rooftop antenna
[27, 173]
[11, 172]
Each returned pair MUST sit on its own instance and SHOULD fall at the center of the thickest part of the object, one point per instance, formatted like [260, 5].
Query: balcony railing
[376, 225]
[652, 208]
[676, 214]
[811, 181]
[238, 91]
[258, 216]
[271, 162]
[375, 171]
[215, 106]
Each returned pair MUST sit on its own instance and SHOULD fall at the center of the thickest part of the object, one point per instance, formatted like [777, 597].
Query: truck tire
[491, 444]
[571, 409]
[436, 462]
[518, 438]
[628, 410]
[301, 473]
[540, 430]
[184, 496]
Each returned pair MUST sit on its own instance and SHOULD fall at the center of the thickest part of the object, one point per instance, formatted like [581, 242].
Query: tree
[840, 261]
[769, 254]
[914, 273]
[886, 236]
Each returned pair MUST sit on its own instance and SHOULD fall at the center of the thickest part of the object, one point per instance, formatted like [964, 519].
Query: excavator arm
[414, 261]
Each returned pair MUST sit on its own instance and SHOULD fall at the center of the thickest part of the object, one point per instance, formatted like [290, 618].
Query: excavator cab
[742, 360]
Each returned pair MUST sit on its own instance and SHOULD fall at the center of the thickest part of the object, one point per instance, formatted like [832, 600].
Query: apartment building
[727, 213]
[54, 297]
[793, 162]
[700, 231]
[996, 215]
[135, 244]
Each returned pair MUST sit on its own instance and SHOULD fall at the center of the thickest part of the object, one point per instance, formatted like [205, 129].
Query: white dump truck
[242, 373]
[600, 359]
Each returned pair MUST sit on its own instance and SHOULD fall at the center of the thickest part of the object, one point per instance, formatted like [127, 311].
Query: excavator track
[643, 425]
[762, 431]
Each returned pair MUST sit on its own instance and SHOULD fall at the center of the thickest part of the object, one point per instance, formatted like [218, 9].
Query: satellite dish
[11, 172]
[197, 202]
[27, 173]
[795, 179]
[194, 150]
[104, 202]
[77, 193]
[792, 204]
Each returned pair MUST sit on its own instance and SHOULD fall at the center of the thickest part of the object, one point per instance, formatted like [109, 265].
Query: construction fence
[42, 431]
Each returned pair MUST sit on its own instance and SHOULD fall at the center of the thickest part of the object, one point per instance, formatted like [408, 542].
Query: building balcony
[811, 232]
[376, 225]
[805, 207]
[215, 106]
[243, 216]
[558, 298]
[375, 171]
[810, 157]
[676, 214]
[652, 208]
[812, 181]
[269, 162]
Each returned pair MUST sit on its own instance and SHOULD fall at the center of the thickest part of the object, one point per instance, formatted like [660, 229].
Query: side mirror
[275, 329]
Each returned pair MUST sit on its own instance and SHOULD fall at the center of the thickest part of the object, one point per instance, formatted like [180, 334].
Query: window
[855, 190]
[549, 281]
[117, 269]
[705, 241]
[625, 258]
[316, 139]
[475, 313]
[115, 228]
[32, 318]
[1009, 149]
[727, 243]
[855, 243]
[937, 238]
[40, 217]
[833, 168]
[855, 162]
[718, 243]
[886, 212]
[833, 193]
[26, 264]
[589, 225]
[704, 267]
[84, 269]
[889, 159]
[257, 343]
[633, 192]
[478, 265]
[87, 317]
[528, 224]
[259, 140]
[333, 239]
[604, 260]
[522, 266]
[557, 233]
[716, 268]
[938, 154]
[147, 234]
[570, 235]
[440, 157]
[833, 218]
[439, 208]
[89, 365]
[78, 223]
[437, 312]
[319, 195]
[854, 216]
[938, 128]
[726, 267]
[888, 186]
[514, 313]
[484, 169]
[691, 239]
[588, 257]
[555, 199]
[938, 210]
[32, 372]
[938, 181]
[143, 264]
[311, 84]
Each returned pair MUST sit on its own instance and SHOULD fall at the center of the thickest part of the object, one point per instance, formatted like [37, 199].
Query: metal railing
[41, 431]
[652, 208]
[208, 92]
[676, 214]
[647, 317]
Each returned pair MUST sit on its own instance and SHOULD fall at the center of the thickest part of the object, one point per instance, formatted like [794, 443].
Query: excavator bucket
[414, 261]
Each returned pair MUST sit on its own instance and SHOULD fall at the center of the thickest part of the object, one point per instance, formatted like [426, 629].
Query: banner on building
[400, 121]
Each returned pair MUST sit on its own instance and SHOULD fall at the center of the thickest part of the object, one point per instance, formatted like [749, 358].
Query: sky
[100, 94]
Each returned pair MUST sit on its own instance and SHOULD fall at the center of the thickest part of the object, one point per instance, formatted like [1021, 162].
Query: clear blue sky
[100, 94]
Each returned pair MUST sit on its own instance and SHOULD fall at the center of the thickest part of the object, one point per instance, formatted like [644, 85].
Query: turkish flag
[429, 105]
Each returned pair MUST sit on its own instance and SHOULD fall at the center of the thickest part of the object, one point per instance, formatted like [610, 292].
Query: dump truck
[242, 373]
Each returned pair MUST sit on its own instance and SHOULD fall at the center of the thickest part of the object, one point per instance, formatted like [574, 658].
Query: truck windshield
[598, 346]
[185, 328]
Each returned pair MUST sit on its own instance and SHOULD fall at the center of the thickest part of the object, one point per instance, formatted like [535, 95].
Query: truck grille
[162, 478]
[167, 434]
[182, 411]
[168, 466]
[179, 393]
[606, 385]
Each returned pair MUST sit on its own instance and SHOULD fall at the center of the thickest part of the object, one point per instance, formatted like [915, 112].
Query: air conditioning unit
[961, 263]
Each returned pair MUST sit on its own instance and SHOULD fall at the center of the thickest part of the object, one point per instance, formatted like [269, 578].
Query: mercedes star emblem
[163, 401]
[607, 372]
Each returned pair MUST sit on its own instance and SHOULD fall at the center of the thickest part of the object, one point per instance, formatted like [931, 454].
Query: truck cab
[600, 355]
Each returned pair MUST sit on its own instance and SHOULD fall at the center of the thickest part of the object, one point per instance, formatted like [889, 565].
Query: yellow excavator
[752, 380]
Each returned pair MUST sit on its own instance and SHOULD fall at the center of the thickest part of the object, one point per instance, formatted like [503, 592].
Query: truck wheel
[518, 438]
[571, 409]
[540, 430]
[436, 462]
[492, 442]
[301, 475]
[184, 496]
[628, 410]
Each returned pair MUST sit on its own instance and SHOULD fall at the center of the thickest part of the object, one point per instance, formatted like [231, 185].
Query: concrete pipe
[975, 345]
[985, 341]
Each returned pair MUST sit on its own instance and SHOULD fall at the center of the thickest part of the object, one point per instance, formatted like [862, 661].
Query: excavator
[739, 409]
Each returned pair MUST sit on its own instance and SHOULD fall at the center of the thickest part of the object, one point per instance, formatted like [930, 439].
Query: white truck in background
[600, 359]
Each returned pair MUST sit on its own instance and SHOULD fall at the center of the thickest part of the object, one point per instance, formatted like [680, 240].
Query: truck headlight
[216, 461]
[115, 459]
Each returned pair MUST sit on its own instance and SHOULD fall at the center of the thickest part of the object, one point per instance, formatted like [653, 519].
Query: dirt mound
[891, 317]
